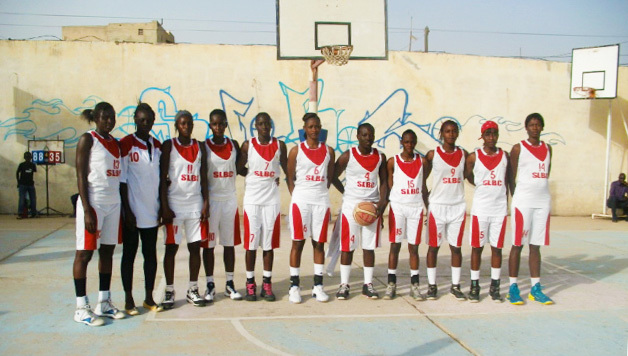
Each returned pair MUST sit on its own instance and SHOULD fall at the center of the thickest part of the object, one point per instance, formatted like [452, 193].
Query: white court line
[238, 326]
[568, 270]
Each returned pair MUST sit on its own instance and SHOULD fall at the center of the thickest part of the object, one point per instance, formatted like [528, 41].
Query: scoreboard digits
[46, 157]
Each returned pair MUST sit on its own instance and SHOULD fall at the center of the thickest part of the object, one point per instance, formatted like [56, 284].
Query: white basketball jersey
[362, 176]
[263, 160]
[489, 198]
[407, 181]
[184, 171]
[140, 171]
[311, 175]
[532, 190]
[447, 177]
[221, 165]
[104, 170]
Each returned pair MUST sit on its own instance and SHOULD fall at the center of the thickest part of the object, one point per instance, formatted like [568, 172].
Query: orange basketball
[365, 213]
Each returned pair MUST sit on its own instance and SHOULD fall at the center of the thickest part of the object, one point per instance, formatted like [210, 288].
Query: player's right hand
[90, 221]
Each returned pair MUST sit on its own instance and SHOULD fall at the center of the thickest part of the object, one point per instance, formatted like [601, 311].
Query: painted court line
[255, 341]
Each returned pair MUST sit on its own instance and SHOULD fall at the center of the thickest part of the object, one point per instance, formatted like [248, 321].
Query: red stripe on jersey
[112, 145]
[297, 223]
[345, 238]
[236, 229]
[368, 162]
[518, 227]
[317, 155]
[475, 232]
[433, 231]
[547, 231]
[502, 233]
[540, 152]
[323, 236]
[170, 234]
[205, 230]
[461, 232]
[247, 231]
[490, 162]
[223, 151]
[392, 226]
[126, 144]
[419, 231]
[412, 168]
[120, 230]
[452, 159]
[90, 242]
[188, 152]
[267, 151]
[276, 232]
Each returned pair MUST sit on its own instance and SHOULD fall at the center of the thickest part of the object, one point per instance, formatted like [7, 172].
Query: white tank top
[362, 176]
[407, 181]
[184, 171]
[447, 177]
[532, 190]
[311, 175]
[103, 180]
[489, 172]
[221, 165]
[263, 160]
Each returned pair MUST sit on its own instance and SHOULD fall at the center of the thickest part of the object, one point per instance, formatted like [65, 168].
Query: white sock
[318, 269]
[267, 274]
[103, 295]
[414, 272]
[250, 274]
[229, 276]
[295, 271]
[431, 275]
[345, 273]
[209, 279]
[512, 280]
[193, 285]
[392, 271]
[81, 301]
[455, 275]
[368, 275]
[534, 281]
[170, 288]
[475, 275]
[495, 273]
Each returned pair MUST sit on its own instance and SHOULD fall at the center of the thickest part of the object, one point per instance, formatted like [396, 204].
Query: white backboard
[304, 26]
[595, 67]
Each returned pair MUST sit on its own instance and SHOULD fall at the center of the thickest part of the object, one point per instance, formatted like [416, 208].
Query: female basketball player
[488, 168]
[184, 203]
[98, 212]
[408, 197]
[139, 188]
[530, 209]
[310, 169]
[447, 207]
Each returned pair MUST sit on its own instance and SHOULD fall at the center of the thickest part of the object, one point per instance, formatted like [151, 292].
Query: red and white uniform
[447, 210]
[361, 184]
[184, 193]
[405, 217]
[103, 186]
[309, 209]
[490, 203]
[140, 172]
[224, 219]
[261, 196]
[531, 201]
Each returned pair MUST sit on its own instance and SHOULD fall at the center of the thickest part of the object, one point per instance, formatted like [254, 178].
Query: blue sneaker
[513, 295]
[537, 295]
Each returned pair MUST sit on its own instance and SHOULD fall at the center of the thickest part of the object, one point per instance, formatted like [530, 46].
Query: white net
[337, 55]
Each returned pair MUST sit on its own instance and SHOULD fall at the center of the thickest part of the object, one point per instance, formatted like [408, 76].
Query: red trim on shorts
[345, 243]
[323, 236]
[170, 234]
[475, 232]
[419, 231]
[247, 231]
[276, 232]
[518, 227]
[502, 233]
[392, 226]
[547, 231]
[461, 232]
[236, 229]
[90, 241]
[297, 223]
[120, 230]
[205, 230]
[433, 231]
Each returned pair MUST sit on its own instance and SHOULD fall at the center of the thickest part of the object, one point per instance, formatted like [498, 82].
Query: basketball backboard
[305, 26]
[594, 72]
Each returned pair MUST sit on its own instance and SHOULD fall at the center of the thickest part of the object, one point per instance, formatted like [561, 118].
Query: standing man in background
[26, 184]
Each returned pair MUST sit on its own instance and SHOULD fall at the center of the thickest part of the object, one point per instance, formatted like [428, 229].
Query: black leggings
[129, 250]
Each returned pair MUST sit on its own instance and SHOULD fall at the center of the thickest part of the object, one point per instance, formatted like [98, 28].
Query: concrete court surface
[585, 271]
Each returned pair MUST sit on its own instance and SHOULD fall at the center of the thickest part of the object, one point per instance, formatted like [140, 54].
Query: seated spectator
[618, 197]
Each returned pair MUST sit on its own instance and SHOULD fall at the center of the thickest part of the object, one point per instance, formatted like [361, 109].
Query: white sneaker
[294, 295]
[106, 308]
[86, 316]
[231, 292]
[319, 293]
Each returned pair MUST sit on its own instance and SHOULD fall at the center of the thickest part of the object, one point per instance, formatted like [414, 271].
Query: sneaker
[319, 293]
[415, 293]
[231, 292]
[391, 291]
[537, 295]
[456, 292]
[513, 295]
[267, 292]
[106, 308]
[86, 316]
[294, 295]
[343, 292]
[369, 292]
[194, 298]
[168, 302]
[432, 291]
[250, 291]
[494, 291]
[474, 293]
[210, 293]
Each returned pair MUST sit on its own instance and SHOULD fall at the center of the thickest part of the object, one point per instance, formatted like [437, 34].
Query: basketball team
[128, 188]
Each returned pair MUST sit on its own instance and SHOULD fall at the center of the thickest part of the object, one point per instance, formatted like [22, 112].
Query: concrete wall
[45, 85]
[149, 32]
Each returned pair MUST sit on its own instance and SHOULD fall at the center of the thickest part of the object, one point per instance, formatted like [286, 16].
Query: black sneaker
[343, 292]
[456, 292]
[250, 291]
[474, 293]
[432, 291]
[369, 292]
[494, 291]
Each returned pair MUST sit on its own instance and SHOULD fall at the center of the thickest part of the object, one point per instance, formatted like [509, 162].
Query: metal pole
[608, 154]
[410, 46]
[426, 33]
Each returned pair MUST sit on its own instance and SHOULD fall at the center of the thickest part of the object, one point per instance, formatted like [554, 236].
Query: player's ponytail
[88, 115]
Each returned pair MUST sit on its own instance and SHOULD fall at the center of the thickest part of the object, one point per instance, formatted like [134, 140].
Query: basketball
[365, 213]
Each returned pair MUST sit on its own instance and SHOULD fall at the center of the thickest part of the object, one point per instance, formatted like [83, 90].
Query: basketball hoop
[337, 55]
[585, 92]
